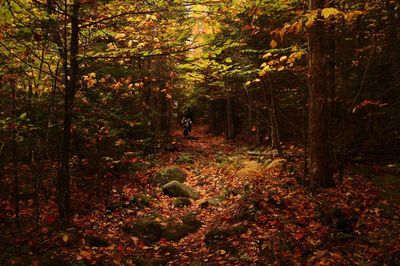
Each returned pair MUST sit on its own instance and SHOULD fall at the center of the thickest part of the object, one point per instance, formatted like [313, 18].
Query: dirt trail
[253, 212]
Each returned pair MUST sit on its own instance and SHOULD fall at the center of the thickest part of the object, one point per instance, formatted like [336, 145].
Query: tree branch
[26, 63]
[138, 56]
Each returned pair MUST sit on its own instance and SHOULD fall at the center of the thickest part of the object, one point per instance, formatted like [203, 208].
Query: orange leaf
[273, 44]
[85, 254]
[336, 256]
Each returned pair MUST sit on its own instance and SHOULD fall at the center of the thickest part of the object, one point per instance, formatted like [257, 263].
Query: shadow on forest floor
[210, 202]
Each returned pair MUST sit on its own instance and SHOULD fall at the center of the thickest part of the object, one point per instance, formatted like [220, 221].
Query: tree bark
[14, 155]
[321, 169]
[71, 79]
[229, 118]
[275, 138]
[394, 48]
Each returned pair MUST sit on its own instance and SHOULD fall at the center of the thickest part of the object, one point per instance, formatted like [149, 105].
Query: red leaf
[298, 236]
[50, 219]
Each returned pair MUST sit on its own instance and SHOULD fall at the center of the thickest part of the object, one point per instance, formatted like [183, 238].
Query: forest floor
[249, 210]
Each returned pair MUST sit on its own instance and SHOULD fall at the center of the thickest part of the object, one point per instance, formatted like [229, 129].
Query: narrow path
[253, 212]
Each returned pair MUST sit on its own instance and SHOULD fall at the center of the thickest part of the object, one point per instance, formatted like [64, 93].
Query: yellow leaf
[281, 68]
[312, 16]
[330, 11]
[283, 58]
[273, 44]
[299, 26]
[267, 55]
[65, 237]
[248, 83]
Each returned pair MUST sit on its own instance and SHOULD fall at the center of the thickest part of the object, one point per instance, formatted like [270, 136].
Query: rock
[215, 201]
[177, 189]
[112, 207]
[168, 251]
[182, 202]
[217, 234]
[174, 232]
[191, 220]
[277, 165]
[140, 201]
[95, 241]
[148, 230]
[167, 175]
[146, 262]
[337, 219]
[185, 158]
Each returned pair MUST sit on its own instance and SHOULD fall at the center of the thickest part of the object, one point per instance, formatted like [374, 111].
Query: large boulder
[148, 230]
[178, 189]
[167, 175]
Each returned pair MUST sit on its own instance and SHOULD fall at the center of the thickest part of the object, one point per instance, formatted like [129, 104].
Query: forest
[199, 132]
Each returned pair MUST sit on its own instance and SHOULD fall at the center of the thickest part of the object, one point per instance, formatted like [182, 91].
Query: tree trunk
[394, 51]
[71, 79]
[229, 119]
[14, 156]
[320, 107]
[275, 138]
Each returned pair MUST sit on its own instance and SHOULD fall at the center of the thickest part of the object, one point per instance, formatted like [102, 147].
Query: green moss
[167, 175]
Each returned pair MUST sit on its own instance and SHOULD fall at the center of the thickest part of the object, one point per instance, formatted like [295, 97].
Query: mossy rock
[216, 234]
[95, 241]
[178, 189]
[146, 262]
[141, 201]
[167, 175]
[215, 201]
[185, 158]
[191, 220]
[168, 251]
[182, 202]
[175, 232]
[148, 230]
